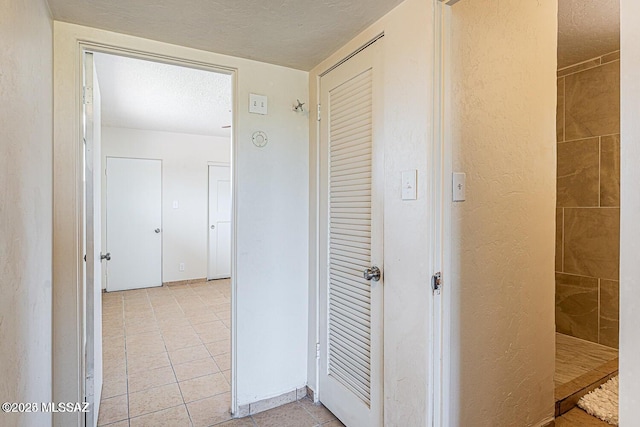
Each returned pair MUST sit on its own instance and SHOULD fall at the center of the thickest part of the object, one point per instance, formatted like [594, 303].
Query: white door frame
[92, 149]
[441, 190]
[441, 366]
[73, 266]
[317, 220]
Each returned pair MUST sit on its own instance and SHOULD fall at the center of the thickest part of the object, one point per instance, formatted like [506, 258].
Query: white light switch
[175, 204]
[459, 186]
[409, 185]
[257, 104]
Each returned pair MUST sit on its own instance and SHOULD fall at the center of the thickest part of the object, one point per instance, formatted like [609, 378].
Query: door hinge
[436, 283]
[87, 95]
[317, 350]
[319, 110]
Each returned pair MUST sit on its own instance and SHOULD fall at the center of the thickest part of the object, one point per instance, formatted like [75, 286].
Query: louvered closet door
[351, 307]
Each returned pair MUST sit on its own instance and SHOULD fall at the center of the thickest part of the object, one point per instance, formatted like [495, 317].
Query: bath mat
[603, 402]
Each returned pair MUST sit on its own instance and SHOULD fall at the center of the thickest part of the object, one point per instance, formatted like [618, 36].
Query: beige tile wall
[588, 200]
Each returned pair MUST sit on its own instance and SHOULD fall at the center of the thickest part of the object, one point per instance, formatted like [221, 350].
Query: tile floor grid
[166, 357]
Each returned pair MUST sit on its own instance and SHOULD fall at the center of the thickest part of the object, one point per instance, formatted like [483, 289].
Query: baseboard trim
[185, 282]
[549, 423]
[312, 395]
[272, 402]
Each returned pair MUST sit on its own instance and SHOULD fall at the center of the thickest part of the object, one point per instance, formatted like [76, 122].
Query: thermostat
[259, 139]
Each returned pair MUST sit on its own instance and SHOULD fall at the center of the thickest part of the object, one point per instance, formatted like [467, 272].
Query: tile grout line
[599, 296]
[593, 207]
[184, 402]
[564, 109]
[126, 359]
[153, 412]
[600, 64]
[562, 232]
[586, 138]
[600, 171]
[147, 297]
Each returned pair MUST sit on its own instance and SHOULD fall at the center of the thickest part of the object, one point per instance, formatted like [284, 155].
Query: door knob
[106, 256]
[157, 230]
[372, 273]
[213, 227]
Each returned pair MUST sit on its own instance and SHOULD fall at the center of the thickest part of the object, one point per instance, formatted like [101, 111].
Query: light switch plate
[409, 185]
[459, 186]
[257, 104]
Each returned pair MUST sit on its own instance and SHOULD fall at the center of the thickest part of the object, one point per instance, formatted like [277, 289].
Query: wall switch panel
[257, 104]
[459, 186]
[175, 204]
[410, 185]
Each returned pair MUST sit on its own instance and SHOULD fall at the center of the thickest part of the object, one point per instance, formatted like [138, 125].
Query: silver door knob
[372, 273]
[157, 230]
[213, 227]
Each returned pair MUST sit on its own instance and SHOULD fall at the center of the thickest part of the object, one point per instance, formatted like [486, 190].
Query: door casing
[69, 384]
[92, 241]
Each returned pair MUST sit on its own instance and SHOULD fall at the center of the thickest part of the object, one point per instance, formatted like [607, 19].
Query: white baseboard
[272, 402]
[551, 422]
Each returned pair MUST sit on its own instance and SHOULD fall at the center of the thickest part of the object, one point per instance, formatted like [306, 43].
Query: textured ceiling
[149, 95]
[294, 33]
[587, 29]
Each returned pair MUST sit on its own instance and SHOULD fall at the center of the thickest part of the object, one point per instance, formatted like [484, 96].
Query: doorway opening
[158, 329]
[588, 203]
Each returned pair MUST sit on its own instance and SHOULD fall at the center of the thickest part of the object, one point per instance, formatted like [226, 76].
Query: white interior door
[219, 222]
[134, 223]
[351, 237]
[93, 237]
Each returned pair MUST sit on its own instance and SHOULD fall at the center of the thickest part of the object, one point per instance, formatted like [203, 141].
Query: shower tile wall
[588, 201]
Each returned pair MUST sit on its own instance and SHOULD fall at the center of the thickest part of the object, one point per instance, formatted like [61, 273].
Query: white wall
[408, 100]
[503, 60]
[185, 179]
[25, 207]
[272, 202]
[629, 213]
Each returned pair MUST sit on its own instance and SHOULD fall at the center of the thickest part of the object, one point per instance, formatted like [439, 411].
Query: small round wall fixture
[259, 139]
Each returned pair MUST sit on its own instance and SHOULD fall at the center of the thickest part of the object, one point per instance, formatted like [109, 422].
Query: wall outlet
[181, 266]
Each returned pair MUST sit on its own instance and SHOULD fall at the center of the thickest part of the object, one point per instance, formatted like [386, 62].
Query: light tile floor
[166, 362]
[575, 357]
[579, 418]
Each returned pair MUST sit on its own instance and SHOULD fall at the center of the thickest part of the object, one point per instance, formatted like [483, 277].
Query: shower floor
[581, 366]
